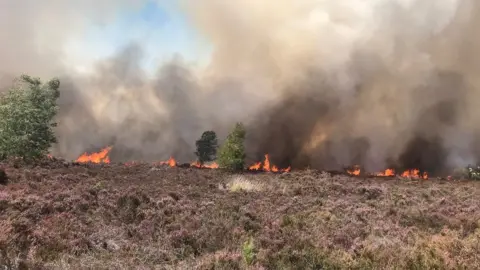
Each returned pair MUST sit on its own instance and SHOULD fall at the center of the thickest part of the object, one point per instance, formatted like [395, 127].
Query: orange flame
[170, 162]
[388, 172]
[267, 166]
[197, 164]
[100, 157]
[414, 173]
[356, 171]
[256, 166]
[214, 165]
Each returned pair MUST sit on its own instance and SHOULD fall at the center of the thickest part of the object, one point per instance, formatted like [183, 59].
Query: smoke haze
[323, 84]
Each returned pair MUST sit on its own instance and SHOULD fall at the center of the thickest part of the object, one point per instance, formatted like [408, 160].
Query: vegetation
[232, 153]
[207, 147]
[473, 172]
[60, 217]
[248, 251]
[27, 111]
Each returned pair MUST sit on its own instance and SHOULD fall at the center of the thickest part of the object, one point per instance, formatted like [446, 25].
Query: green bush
[232, 153]
[27, 111]
[207, 147]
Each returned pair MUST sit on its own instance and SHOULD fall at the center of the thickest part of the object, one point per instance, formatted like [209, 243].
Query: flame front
[170, 162]
[356, 171]
[256, 166]
[100, 157]
[388, 172]
[267, 167]
[197, 164]
[414, 173]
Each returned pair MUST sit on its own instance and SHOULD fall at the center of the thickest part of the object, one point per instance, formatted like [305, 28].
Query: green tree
[207, 147]
[232, 153]
[27, 111]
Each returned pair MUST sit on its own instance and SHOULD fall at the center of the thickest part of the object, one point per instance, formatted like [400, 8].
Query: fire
[100, 157]
[214, 165]
[197, 164]
[256, 166]
[267, 166]
[356, 171]
[414, 173]
[170, 162]
[388, 172]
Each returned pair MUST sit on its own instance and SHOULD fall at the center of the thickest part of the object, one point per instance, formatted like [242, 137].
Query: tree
[27, 111]
[207, 147]
[232, 153]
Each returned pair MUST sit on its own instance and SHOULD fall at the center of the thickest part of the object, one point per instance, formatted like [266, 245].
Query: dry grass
[242, 183]
[61, 216]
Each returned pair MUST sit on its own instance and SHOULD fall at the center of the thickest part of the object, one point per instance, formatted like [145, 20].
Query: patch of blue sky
[159, 27]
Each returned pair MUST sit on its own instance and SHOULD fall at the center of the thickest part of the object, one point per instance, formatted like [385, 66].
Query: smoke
[380, 83]
[323, 84]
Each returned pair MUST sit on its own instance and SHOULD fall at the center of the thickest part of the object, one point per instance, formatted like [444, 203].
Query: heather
[62, 215]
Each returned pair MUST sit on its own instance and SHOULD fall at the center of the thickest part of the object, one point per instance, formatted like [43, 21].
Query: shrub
[473, 173]
[207, 147]
[249, 251]
[469, 172]
[27, 111]
[232, 153]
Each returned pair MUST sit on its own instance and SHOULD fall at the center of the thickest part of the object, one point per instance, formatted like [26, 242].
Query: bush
[27, 111]
[207, 147]
[232, 153]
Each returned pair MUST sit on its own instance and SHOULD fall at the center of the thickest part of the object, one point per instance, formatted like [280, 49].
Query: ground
[75, 216]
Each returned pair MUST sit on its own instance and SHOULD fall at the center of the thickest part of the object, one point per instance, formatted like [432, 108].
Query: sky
[159, 27]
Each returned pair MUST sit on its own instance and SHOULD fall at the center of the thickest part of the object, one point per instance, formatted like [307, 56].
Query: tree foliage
[27, 112]
[207, 147]
[232, 153]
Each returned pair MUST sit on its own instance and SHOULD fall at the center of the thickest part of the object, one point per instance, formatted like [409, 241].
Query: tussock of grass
[242, 183]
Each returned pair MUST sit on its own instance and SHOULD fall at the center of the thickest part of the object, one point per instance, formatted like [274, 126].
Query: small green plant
[249, 251]
[207, 147]
[232, 153]
[27, 111]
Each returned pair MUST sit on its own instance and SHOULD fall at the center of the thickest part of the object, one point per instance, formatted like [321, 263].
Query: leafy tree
[27, 111]
[232, 153]
[207, 147]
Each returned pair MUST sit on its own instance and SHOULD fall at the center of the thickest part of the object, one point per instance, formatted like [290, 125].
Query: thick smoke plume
[323, 84]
